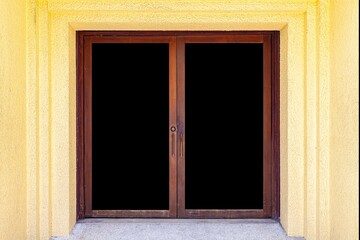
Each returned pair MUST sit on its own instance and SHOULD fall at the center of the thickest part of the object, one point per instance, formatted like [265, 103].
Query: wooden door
[177, 124]
[225, 105]
[129, 159]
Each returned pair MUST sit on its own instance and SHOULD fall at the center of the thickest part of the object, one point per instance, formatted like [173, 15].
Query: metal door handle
[172, 144]
[173, 130]
[181, 145]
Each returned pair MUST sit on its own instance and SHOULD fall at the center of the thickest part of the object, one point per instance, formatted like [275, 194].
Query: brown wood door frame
[177, 40]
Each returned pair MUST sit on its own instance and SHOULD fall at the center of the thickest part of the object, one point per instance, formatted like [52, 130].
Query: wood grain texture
[80, 204]
[275, 113]
[181, 121]
[173, 123]
[131, 213]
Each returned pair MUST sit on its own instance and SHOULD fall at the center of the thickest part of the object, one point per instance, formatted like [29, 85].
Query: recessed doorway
[178, 124]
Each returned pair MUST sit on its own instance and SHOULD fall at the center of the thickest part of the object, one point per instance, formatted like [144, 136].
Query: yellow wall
[64, 23]
[344, 181]
[12, 120]
[315, 94]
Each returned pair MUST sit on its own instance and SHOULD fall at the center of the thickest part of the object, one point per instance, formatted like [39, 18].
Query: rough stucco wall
[344, 92]
[67, 16]
[63, 49]
[12, 120]
[50, 95]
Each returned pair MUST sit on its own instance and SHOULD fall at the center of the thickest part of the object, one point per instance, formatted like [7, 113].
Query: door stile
[173, 129]
[267, 126]
[88, 126]
[181, 124]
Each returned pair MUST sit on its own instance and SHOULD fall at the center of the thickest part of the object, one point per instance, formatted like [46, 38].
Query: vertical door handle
[181, 145]
[173, 130]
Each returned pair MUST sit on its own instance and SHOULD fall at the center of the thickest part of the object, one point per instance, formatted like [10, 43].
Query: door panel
[130, 127]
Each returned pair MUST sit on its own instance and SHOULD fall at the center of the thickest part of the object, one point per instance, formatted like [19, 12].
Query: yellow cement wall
[344, 121]
[12, 120]
[311, 64]
[64, 23]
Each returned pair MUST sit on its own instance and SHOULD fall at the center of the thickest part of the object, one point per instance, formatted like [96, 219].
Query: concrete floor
[177, 229]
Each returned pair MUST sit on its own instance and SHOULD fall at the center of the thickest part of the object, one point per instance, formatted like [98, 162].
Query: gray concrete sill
[177, 229]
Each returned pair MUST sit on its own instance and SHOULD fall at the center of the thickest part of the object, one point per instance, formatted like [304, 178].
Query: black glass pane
[130, 166]
[224, 126]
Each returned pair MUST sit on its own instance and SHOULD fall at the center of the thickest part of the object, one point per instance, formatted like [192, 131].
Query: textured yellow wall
[45, 38]
[68, 16]
[344, 121]
[12, 120]
[297, 20]
[63, 80]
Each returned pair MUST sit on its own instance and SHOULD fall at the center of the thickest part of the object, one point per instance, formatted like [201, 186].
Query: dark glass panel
[130, 126]
[224, 126]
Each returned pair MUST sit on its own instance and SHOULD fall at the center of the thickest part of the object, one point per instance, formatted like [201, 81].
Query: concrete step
[177, 229]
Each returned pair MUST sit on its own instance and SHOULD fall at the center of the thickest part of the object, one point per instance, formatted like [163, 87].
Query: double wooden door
[176, 124]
